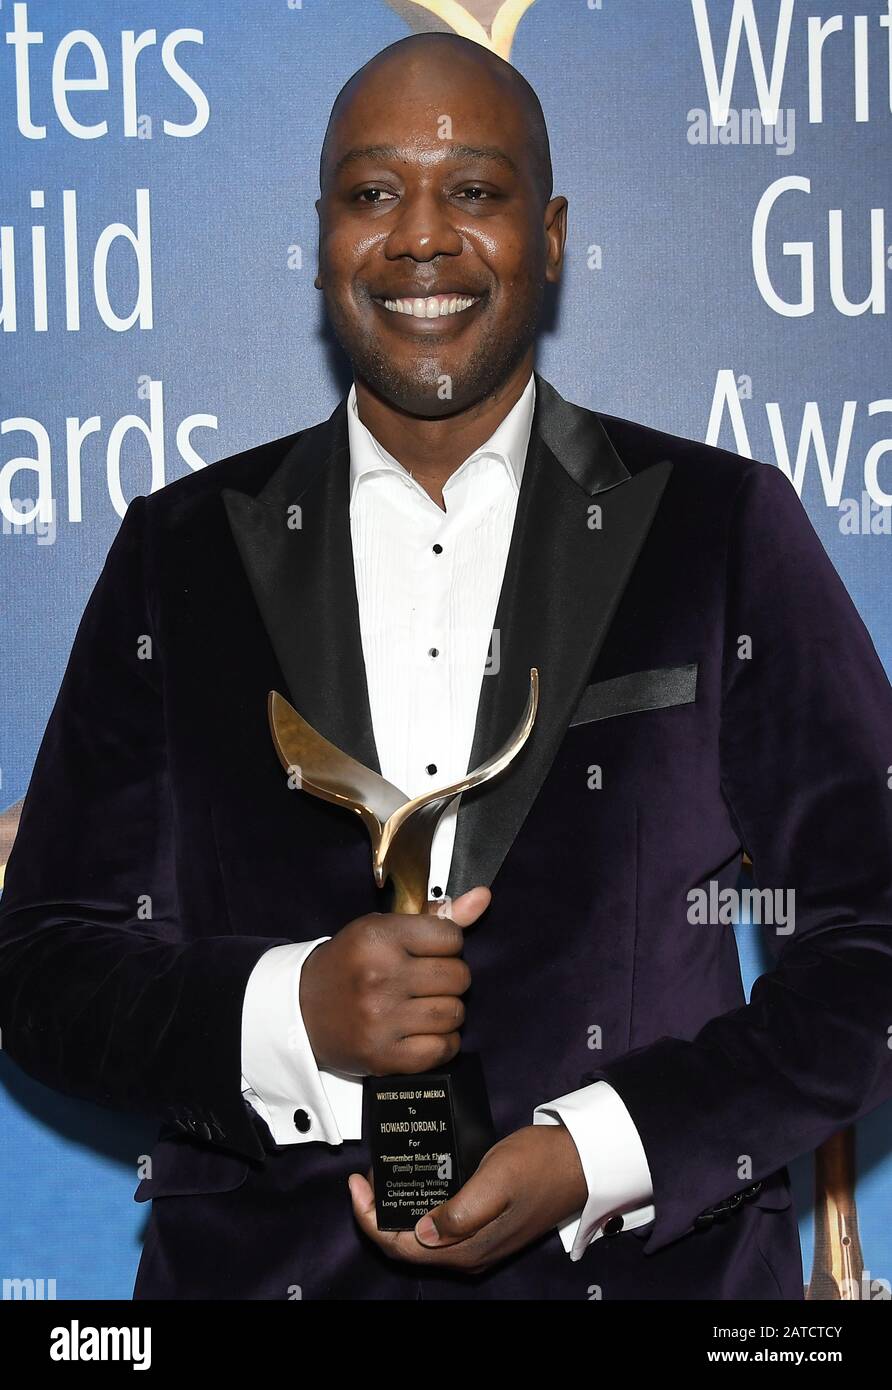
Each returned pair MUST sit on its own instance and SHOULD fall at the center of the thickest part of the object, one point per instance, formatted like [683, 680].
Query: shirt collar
[509, 442]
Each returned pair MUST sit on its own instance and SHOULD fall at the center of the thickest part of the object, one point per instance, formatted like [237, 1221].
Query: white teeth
[433, 307]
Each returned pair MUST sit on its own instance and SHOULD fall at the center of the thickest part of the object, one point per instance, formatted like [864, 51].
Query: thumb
[476, 1205]
[465, 909]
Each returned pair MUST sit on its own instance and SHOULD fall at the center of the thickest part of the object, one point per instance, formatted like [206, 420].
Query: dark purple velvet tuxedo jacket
[639, 563]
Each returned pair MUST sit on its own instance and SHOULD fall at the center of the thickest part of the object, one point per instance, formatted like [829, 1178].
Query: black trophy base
[428, 1133]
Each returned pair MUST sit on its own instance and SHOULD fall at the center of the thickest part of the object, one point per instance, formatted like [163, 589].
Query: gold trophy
[838, 1266]
[428, 1130]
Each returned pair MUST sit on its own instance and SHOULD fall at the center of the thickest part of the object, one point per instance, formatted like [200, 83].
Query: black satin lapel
[577, 439]
[563, 582]
[302, 578]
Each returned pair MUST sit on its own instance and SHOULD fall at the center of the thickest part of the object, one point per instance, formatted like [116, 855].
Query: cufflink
[302, 1121]
[613, 1226]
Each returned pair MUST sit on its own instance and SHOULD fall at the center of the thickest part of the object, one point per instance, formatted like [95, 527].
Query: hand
[383, 996]
[525, 1186]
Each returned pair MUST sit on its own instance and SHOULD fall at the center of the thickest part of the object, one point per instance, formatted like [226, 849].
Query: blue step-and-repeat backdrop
[728, 169]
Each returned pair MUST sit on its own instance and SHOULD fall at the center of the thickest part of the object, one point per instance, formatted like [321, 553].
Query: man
[177, 916]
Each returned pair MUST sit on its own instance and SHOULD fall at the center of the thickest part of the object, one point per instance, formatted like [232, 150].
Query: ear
[555, 236]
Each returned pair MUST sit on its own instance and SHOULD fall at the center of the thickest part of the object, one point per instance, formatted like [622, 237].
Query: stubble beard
[427, 391]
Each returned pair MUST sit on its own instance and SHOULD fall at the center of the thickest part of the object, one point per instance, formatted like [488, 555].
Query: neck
[432, 449]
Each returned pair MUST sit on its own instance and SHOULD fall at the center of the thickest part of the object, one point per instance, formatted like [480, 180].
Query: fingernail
[426, 1232]
[445, 908]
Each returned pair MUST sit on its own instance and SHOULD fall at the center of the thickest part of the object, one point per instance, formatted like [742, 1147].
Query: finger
[475, 1206]
[396, 1244]
[432, 1014]
[363, 1199]
[426, 1051]
[436, 975]
[362, 1195]
[425, 935]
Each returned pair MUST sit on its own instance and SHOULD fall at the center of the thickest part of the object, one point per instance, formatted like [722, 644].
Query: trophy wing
[513, 744]
[327, 771]
[405, 847]
[438, 796]
[401, 830]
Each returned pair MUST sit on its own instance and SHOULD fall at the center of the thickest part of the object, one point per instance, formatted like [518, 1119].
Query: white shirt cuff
[279, 1071]
[613, 1160]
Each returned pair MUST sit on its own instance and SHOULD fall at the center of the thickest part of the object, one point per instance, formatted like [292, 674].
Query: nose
[422, 229]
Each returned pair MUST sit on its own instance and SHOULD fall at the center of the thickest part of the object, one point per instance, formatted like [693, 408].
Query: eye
[475, 188]
[373, 201]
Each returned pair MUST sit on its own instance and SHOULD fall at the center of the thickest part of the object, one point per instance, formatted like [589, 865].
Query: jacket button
[302, 1121]
[613, 1226]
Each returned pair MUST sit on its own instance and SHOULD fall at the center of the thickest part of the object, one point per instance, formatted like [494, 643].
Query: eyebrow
[469, 152]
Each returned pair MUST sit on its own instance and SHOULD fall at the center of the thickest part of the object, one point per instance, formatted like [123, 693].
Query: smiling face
[437, 235]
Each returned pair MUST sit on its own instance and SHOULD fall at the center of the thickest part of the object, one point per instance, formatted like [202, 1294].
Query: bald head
[444, 63]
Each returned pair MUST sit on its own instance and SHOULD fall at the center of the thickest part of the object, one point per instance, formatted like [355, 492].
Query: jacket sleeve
[806, 759]
[100, 995]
